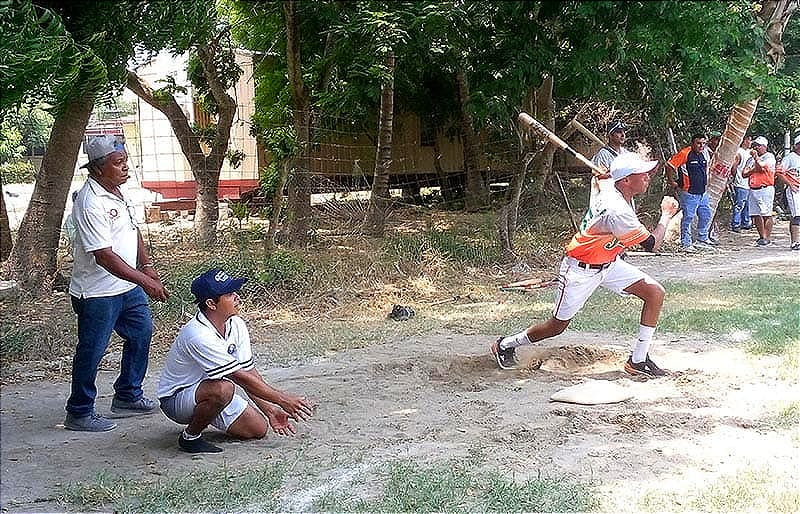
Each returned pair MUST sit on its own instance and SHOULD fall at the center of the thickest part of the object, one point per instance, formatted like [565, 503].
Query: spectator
[616, 138]
[760, 172]
[112, 276]
[790, 174]
[691, 188]
[740, 218]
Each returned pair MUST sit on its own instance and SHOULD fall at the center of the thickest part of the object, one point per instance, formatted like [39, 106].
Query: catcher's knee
[795, 221]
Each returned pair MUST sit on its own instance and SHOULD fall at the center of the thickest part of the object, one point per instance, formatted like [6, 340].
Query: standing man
[112, 276]
[692, 189]
[760, 172]
[740, 218]
[790, 174]
[211, 356]
[616, 138]
[592, 260]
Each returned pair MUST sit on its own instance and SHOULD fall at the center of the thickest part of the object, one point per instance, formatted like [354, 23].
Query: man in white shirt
[740, 217]
[112, 276]
[211, 356]
[790, 174]
[616, 138]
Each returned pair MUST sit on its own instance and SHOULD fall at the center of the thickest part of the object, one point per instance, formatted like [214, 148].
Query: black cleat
[198, 445]
[506, 359]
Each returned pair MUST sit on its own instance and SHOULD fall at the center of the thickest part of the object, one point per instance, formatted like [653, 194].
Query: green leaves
[40, 59]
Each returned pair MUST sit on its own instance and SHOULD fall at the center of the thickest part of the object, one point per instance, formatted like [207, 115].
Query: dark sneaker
[647, 368]
[141, 407]
[736, 229]
[654, 370]
[92, 423]
[762, 242]
[690, 249]
[198, 445]
[710, 242]
[748, 227]
[506, 359]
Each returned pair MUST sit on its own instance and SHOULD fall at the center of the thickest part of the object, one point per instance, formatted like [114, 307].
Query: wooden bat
[528, 121]
[529, 285]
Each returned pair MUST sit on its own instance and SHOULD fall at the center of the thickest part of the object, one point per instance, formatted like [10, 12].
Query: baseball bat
[528, 121]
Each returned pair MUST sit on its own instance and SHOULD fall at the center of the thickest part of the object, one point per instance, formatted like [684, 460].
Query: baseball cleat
[646, 368]
[506, 359]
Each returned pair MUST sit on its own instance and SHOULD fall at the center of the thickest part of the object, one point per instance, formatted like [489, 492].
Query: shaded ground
[440, 396]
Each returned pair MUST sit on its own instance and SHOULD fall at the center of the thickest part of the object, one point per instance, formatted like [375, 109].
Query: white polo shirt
[102, 220]
[201, 353]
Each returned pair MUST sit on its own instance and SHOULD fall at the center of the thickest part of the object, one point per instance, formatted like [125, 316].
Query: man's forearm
[114, 264]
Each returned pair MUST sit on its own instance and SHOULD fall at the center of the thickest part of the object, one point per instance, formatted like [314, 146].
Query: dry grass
[339, 288]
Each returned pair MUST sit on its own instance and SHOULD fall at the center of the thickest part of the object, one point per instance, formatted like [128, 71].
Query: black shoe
[647, 368]
[506, 359]
[198, 445]
[654, 370]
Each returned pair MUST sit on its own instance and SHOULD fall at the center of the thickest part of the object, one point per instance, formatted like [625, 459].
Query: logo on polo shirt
[231, 348]
[113, 214]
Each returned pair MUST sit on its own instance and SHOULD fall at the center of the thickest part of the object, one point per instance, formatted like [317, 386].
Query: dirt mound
[573, 359]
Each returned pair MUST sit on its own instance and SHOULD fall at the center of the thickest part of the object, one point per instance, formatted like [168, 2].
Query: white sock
[189, 437]
[515, 340]
[642, 346]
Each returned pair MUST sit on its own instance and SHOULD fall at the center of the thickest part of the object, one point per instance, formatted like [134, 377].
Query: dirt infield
[440, 395]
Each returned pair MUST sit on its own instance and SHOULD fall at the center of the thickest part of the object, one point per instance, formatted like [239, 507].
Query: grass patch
[221, 490]
[412, 487]
[787, 417]
[747, 491]
[281, 269]
[765, 309]
[456, 247]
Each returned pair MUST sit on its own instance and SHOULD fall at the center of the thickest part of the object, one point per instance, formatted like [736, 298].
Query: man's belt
[586, 265]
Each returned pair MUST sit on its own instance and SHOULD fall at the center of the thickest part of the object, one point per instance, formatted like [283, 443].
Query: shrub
[17, 172]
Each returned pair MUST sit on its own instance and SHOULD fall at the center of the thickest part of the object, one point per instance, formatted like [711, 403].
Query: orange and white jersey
[609, 227]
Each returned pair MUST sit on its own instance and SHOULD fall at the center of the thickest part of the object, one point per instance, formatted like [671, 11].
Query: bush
[18, 172]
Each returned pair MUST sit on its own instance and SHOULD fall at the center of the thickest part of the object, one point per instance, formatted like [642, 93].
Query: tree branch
[166, 104]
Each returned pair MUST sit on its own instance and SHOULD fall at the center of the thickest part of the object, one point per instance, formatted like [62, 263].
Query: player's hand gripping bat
[529, 122]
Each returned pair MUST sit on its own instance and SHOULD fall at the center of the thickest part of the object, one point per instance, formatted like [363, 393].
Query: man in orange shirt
[592, 260]
[760, 172]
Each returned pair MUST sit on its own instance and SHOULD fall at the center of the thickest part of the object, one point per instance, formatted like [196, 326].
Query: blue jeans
[695, 206]
[741, 211]
[127, 314]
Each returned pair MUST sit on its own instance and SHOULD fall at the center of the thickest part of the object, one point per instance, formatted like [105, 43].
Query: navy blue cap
[616, 125]
[215, 283]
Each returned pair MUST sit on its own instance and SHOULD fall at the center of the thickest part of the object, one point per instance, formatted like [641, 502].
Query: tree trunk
[477, 193]
[508, 216]
[299, 204]
[444, 180]
[205, 168]
[33, 259]
[375, 218]
[543, 163]
[277, 205]
[722, 160]
[5, 227]
[774, 14]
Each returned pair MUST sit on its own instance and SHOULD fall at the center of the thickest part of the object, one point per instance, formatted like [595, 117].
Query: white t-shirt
[738, 180]
[791, 164]
[102, 220]
[201, 353]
